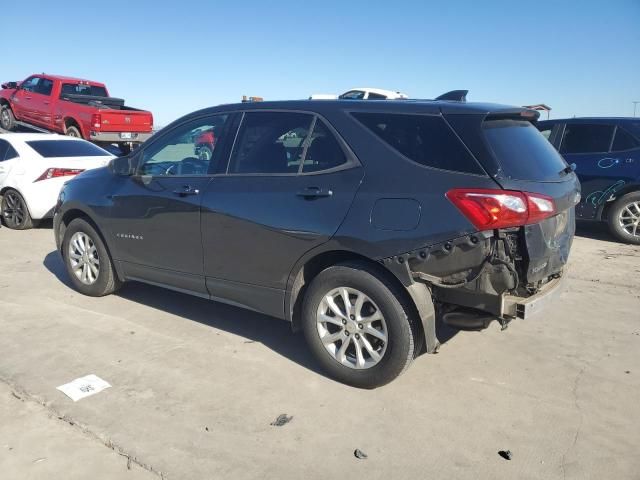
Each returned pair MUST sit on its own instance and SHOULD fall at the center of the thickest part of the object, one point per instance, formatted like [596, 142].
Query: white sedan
[33, 167]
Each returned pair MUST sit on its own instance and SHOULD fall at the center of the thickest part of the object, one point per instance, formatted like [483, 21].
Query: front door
[155, 214]
[22, 99]
[606, 159]
[289, 185]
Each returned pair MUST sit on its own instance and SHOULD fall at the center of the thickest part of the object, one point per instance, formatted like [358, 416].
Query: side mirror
[10, 85]
[123, 166]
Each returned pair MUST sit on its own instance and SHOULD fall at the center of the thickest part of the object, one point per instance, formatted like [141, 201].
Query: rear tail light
[96, 120]
[58, 172]
[489, 209]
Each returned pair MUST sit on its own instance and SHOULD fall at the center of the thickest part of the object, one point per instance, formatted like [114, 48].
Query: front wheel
[15, 211]
[87, 261]
[624, 218]
[358, 325]
[7, 119]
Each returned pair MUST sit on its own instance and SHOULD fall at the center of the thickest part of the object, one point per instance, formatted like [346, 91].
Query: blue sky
[580, 57]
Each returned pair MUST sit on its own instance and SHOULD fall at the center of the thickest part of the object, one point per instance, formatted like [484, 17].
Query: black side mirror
[10, 85]
[124, 166]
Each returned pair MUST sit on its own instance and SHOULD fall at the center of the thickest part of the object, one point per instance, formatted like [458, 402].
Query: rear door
[41, 103]
[601, 166]
[155, 214]
[288, 186]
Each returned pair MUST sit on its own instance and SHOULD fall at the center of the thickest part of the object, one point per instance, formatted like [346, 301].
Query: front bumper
[114, 137]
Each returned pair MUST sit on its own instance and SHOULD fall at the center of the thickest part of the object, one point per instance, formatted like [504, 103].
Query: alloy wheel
[14, 210]
[629, 219]
[4, 118]
[83, 258]
[352, 328]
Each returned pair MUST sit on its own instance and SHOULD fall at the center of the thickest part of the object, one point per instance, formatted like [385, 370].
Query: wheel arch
[308, 268]
[72, 122]
[603, 213]
[73, 213]
[10, 187]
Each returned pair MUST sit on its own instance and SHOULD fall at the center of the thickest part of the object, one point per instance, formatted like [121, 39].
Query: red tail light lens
[58, 172]
[96, 120]
[489, 209]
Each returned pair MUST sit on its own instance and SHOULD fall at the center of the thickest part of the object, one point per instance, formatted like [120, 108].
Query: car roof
[396, 106]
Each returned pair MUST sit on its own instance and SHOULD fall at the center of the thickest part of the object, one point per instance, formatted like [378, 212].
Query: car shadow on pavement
[274, 333]
[595, 231]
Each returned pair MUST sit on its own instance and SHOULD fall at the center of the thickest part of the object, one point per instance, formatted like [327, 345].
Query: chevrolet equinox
[361, 223]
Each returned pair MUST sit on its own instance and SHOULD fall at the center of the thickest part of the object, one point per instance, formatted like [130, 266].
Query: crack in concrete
[22, 395]
[577, 405]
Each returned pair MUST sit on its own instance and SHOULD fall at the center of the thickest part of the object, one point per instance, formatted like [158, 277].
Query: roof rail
[454, 95]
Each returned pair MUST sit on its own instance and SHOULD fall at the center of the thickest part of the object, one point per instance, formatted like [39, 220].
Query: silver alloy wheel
[352, 328]
[629, 219]
[83, 258]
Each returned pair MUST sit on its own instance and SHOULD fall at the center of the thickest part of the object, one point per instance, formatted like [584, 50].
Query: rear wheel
[87, 261]
[7, 120]
[624, 218]
[73, 132]
[15, 211]
[358, 326]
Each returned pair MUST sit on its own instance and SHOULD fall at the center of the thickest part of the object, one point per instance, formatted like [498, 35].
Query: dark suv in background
[359, 222]
[606, 153]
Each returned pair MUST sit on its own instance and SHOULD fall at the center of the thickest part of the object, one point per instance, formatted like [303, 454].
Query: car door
[155, 213]
[588, 146]
[8, 159]
[41, 107]
[288, 186]
[23, 99]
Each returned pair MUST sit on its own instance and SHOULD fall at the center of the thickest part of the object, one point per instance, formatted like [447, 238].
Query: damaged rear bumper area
[487, 276]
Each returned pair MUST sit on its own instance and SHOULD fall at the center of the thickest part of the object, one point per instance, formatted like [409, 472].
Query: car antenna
[454, 95]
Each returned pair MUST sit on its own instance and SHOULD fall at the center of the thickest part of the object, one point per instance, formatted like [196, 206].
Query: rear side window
[323, 152]
[67, 148]
[376, 96]
[522, 151]
[270, 142]
[425, 139]
[624, 141]
[586, 138]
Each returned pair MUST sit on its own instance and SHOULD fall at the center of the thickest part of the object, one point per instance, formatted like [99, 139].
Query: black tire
[7, 119]
[403, 334]
[15, 212]
[625, 212]
[72, 132]
[106, 281]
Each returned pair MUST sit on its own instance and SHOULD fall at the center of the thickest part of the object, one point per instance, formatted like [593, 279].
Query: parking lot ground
[196, 384]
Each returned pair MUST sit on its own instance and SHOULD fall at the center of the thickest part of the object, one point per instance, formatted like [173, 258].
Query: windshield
[77, 89]
[67, 148]
[522, 151]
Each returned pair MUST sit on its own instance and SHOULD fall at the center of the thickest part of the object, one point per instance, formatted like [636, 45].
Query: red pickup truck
[74, 107]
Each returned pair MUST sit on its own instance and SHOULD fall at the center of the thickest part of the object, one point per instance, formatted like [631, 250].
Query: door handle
[47, 102]
[314, 192]
[27, 98]
[186, 190]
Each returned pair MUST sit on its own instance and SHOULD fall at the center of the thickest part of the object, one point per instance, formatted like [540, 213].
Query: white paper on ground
[83, 387]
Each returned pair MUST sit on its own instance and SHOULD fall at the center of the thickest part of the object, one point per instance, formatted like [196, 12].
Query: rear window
[67, 148]
[522, 151]
[425, 139]
[77, 89]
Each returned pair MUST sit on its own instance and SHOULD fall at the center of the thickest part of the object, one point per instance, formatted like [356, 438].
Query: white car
[365, 93]
[33, 168]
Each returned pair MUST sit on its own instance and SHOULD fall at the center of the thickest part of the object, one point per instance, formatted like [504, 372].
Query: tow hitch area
[525, 308]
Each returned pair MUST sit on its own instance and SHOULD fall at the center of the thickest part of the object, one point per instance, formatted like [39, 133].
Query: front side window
[270, 143]
[67, 148]
[30, 84]
[624, 141]
[45, 86]
[186, 150]
[425, 139]
[586, 138]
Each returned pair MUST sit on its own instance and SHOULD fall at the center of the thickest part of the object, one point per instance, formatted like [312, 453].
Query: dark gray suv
[362, 223]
